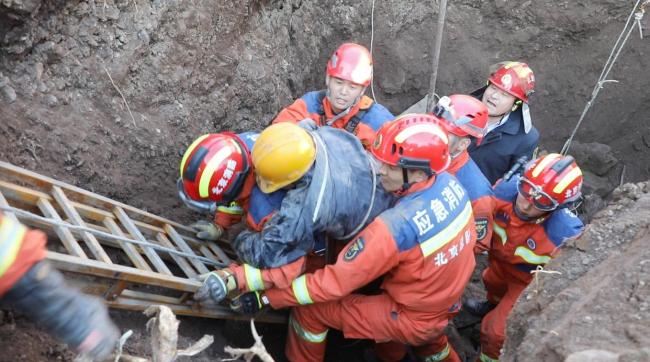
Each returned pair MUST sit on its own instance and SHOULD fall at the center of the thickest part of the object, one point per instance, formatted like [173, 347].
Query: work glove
[249, 303]
[207, 230]
[216, 286]
[78, 319]
[101, 342]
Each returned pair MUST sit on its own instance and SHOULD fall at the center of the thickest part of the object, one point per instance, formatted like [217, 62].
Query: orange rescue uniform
[518, 247]
[20, 249]
[424, 248]
[363, 119]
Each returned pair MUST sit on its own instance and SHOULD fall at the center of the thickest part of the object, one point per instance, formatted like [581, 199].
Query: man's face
[342, 93]
[527, 208]
[391, 177]
[497, 101]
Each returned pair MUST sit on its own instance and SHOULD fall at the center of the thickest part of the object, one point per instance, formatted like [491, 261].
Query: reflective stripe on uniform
[501, 232]
[486, 358]
[253, 278]
[232, 209]
[300, 290]
[440, 356]
[447, 234]
[11, 237]
[530, 257]
[306, 335]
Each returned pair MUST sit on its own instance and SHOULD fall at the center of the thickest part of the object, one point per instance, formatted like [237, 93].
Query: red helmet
[413, 141]
[551, 181]
[515, 78]
[214, 168]
[351, 62]
[463, 115]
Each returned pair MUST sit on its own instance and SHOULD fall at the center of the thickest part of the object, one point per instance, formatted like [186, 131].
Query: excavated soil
[104, 95]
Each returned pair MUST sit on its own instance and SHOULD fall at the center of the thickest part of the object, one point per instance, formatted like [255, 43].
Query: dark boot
[478, 308]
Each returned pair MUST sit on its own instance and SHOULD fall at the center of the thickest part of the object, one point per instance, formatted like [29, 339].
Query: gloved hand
[79, 320]
[100, 343]
[249, 303]
[207, 230]
[216, 286]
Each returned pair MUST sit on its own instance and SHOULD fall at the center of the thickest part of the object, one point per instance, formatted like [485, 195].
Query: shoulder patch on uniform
[531, 244]
[481, 227]
[354, 249]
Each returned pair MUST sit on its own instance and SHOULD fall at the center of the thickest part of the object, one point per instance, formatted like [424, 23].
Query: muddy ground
[190, 67]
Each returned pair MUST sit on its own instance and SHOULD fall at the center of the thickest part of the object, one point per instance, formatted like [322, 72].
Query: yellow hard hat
[282, 154]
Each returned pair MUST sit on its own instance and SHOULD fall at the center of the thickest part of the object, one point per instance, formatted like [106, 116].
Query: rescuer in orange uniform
[466, 118]
[31, 285]
[217, 178]
[330, 189]
[342, 104]
[422, 246]
[532, 221]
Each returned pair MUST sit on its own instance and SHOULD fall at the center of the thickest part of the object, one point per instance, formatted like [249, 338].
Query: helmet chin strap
[456, 154]
[345, 111]
[532, 220]
[405, 178]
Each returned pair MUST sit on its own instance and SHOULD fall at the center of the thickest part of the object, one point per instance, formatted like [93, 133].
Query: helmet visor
[534, 194]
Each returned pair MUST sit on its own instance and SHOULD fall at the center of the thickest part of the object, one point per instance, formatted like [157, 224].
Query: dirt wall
[187, 68]
[191, 67]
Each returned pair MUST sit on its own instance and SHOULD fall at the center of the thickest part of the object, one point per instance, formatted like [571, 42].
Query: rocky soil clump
[598, 308]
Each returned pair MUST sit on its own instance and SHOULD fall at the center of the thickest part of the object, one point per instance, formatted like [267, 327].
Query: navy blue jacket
[502, 147]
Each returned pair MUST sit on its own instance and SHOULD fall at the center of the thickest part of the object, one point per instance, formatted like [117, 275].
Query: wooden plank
[219, 252]
[138, 301]
[29, 196]
[84, 196]
[128, 248]
[115, 271]
[207, 253]
[67, 239]
[217, 311]
[154, 298]
[178, 240]
[182, 263]
[222, 256]
[90, 287]
[5, 203]
[151, 254]
[71, 212]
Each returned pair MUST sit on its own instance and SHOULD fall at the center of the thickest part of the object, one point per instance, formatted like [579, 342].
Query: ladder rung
[129, 249]
[182, 263]
[66, 237]
[5, 203]
[218, 252]
[91, 242]
[151, 254]
[178, 240]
